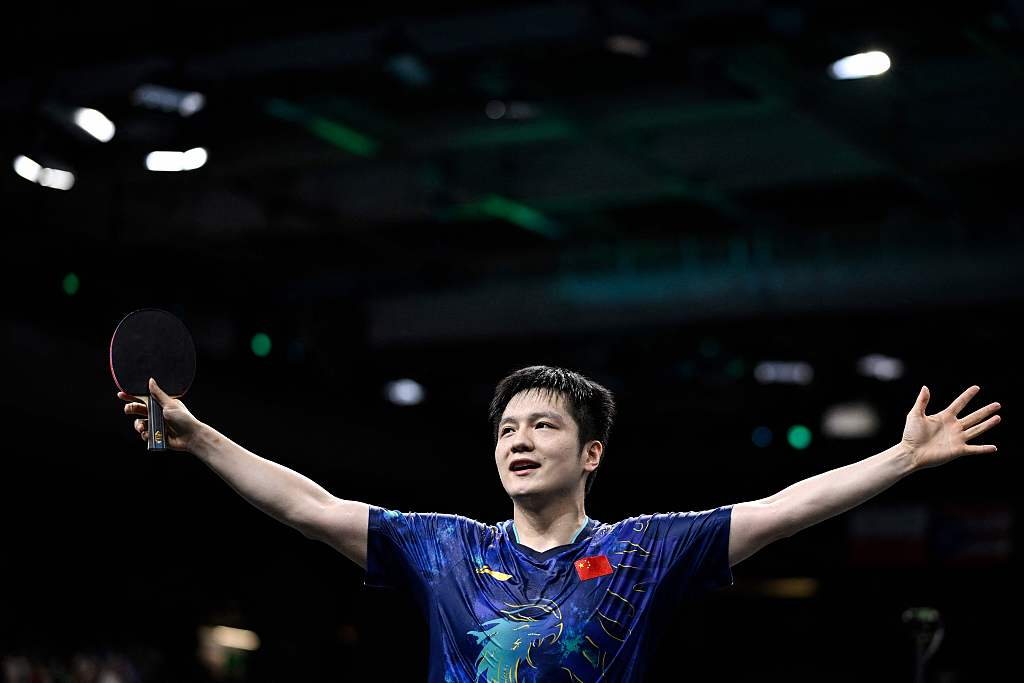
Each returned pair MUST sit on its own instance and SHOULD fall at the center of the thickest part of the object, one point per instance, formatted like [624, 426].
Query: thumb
[154, 388]
[922, 401]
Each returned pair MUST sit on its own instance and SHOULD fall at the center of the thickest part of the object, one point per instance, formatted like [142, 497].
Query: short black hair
[592, 406]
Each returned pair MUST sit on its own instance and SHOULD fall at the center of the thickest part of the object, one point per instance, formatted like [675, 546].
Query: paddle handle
[157, 430]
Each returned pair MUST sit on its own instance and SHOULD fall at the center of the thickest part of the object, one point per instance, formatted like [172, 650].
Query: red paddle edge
[110, 359]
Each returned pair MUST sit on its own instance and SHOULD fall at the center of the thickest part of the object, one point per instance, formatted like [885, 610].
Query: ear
[592, 455]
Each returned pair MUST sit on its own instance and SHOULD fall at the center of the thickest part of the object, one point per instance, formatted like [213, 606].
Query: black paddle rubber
[153, 343]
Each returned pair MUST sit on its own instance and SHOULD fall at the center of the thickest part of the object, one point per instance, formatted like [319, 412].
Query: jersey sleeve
[410, 549]
[694, 549]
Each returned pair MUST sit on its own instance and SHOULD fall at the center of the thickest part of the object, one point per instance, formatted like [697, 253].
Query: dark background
[451, 193]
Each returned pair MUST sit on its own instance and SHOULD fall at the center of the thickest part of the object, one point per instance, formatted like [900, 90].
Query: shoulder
[666, 522]
[438, 524]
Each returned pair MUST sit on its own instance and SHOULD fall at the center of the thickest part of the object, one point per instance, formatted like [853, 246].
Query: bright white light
[860, 65]
[779, 372]
[850, 421]
[177, 161]
[405, 392]
[236, 638]
[26, 168]
[880, 367]
[95, 124]
[195, 158]
[57, 179]
[165, 161]
[47, 177]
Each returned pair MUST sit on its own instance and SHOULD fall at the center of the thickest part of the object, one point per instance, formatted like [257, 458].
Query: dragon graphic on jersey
[506, 643]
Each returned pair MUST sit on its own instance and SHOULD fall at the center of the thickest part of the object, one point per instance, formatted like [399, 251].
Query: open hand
[940, 438]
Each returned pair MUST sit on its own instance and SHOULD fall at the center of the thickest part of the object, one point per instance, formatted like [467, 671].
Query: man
[552, 594]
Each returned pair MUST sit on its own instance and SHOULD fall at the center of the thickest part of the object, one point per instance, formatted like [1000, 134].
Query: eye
[544, 424]
[504, 430]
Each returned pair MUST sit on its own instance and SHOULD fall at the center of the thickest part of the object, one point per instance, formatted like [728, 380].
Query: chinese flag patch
[593, 567]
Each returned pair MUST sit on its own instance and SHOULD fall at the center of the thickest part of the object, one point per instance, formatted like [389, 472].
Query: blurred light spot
[520, 111]
[260, 344]
[56, 179]
[95, 124]
[191, 103]
[784, 372]
[70, 284]
[860, 65]
[762, 437]
[168, 99]
[47, 177]
[850, 421]
[787, 588]
[177, 161]
[495, 109]
[410, 69]
[627, 45]
[26, 168]
[405, 392]
[799, 437]
[235, 638]
[880, 367]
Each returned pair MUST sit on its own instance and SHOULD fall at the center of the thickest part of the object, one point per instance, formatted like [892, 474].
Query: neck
[549, 525]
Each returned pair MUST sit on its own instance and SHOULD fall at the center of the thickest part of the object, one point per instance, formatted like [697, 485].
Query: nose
[520, 443]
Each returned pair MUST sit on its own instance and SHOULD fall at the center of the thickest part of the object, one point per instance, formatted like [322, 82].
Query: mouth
[522, 467]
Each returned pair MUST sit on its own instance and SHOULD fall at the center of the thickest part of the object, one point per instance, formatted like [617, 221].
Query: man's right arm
[286, 495]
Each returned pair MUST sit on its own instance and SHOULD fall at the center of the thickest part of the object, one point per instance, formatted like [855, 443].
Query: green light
[735, 368]
[799, 437]
[506, 209]
[332, 131]
[260, 344]
[70, 284]
[342, 136]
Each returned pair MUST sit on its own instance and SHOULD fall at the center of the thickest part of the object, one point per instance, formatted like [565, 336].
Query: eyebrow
[532, 416]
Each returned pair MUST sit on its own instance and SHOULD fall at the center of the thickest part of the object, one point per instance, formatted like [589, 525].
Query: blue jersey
[500, 612]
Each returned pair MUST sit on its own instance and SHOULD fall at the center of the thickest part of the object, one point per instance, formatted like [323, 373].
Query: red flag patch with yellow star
[593, 567]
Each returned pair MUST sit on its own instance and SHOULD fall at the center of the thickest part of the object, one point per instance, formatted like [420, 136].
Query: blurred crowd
[108, 667]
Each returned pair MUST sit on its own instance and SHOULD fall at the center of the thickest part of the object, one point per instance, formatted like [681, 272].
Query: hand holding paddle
[147, 344]
[180, 425]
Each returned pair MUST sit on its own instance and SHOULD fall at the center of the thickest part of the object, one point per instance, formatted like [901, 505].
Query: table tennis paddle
[152, 343]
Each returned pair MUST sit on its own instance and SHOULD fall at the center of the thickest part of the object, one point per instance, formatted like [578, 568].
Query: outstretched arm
[928, 441]
[284, 494]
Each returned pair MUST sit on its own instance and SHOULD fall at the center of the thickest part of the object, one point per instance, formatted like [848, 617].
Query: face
[537, 428]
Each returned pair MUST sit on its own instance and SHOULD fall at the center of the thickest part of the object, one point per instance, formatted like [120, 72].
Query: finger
[979, 450]
[979, 415]
[127, 397]
[155, 389]
[136, 409]
[922, 402]
[956, 406]
[140, 425]
[978, 430]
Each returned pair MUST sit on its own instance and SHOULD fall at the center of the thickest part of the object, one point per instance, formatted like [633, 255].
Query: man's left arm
[928, 441]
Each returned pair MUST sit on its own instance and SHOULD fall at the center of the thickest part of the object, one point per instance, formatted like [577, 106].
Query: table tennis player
[553, 594]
